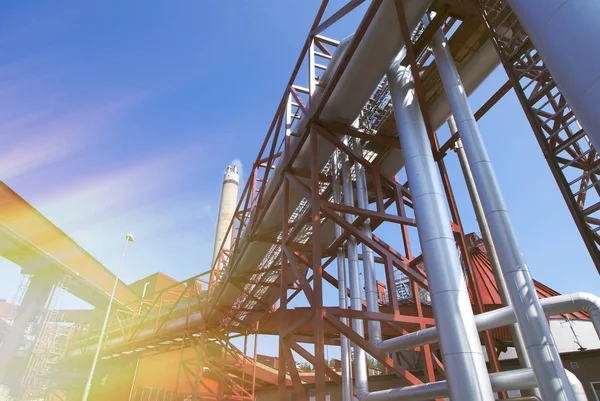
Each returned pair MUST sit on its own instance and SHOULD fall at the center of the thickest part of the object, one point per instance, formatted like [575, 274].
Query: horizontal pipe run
[560, 304]
[501, 381]
[517, 379]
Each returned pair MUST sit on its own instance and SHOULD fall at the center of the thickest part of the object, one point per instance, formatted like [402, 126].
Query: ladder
[51, 345]
[573, 160]
[19, 294]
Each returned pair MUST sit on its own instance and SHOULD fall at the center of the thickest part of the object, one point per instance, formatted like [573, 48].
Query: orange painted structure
[33, 242]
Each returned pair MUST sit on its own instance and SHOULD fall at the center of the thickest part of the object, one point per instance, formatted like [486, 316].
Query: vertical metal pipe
[461, 349]
[563, 31]
[342, 288]
[368, 259]
[577, 386]
[361, 380]
[515, 332]
[545, 360]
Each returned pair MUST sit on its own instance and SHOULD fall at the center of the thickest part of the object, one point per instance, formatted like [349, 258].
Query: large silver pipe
[558, 305]
[371, 295]
[361, 378]
[342, 296]
[484, 228]
[563, 31]
[541, 347]
[577, 386]
[501, 381]
[518, 379]
[462, 354]
[515, 331]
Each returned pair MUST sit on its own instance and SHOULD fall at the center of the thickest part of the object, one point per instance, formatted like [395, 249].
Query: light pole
[88, 385]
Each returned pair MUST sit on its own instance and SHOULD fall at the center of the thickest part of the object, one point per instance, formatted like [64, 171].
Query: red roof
[487, 283]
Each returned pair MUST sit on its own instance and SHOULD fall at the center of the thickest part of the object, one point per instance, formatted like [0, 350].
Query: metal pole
[515, 332]
[88, 386]
[462, 354]
[342, 288]
[137, 365]
[361, 379]
[371, 295]
[545, 359]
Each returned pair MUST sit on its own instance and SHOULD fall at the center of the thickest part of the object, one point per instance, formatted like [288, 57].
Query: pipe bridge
[351, 171]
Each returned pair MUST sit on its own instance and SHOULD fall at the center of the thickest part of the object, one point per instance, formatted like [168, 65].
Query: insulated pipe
[371, 295]
[558, 305]
[501, 381]
[577, 386]
[537, 337]
[484, 228]
[462, 354]
[229, 195]
[342, 297]
[563, 31]
[361, 378]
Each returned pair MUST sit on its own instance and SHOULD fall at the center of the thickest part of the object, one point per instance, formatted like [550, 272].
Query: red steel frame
[305, 263]
[572, 159]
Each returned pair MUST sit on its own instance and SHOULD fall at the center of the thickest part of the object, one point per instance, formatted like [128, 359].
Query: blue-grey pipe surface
[566, 34]
[368, 259]
[462, 354]
[542, 350]
[342, 296]
[360, 363]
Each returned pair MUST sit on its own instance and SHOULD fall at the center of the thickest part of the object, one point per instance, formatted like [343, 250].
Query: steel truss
[298, 261]
[569, 153]
[299, 253]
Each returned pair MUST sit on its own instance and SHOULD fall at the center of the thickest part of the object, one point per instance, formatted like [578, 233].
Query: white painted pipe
[577, 386]
[462, 354]
[342, 288]
[360, 362]
[558, 305]
[515, 331]
[501, 381]
[565, 34]
[541, 347]
[518, 379]
[368, 259]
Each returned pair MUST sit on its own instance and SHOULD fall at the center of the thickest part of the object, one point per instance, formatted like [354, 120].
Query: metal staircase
[569, 153]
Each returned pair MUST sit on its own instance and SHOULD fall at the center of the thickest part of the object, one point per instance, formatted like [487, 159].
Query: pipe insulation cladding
[542, 350]
[461, 350]
[229, 195]
[566, 34]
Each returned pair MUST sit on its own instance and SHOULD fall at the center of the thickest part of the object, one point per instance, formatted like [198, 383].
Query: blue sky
[121, 116]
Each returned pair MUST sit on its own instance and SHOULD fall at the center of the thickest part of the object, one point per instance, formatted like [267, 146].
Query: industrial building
[347, 236]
